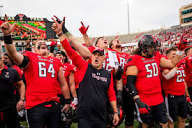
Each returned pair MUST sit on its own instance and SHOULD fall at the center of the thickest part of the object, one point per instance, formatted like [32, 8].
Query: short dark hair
[64, 55]
[186, 50]
[6, 54]
[171, 49]
[111, 43]
[41, 43]
[98, 40]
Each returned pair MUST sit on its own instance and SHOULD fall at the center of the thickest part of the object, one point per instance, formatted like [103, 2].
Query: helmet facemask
[147, 46]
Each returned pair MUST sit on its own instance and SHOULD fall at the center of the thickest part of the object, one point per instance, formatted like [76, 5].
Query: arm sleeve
[170, 74]
[111, 91]
[26, 59]
[78, 61]
[131, 79]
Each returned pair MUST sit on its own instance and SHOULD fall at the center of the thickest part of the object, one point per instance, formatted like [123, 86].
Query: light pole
[128, 19]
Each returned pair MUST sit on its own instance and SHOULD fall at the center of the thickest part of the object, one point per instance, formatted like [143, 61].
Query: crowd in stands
[98, 83]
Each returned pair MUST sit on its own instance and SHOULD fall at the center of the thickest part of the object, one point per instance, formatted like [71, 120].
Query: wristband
[22, 100]
[67, 101]
[60, 34]
[64, 29]
[75, 99]
[115, 112]
[8, 39]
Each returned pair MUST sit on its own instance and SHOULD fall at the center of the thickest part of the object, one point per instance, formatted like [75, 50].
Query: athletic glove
[74, 103]
[83, 29]
[64, 29]
[143, 108]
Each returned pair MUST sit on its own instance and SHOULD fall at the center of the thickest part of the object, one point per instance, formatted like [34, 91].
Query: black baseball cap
[99, 50]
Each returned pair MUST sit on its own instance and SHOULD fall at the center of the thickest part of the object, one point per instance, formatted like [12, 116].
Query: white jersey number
[43, 71]
[152, 70]
[180, 75]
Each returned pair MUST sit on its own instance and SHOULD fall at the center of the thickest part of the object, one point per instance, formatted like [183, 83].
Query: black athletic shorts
[8, 118]
[86, 123]
[190, 91]
[176, 106]
[156, 114]
[128, 108]
[46, 114]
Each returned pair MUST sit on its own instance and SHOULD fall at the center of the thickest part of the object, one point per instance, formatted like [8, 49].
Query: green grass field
[74, 125]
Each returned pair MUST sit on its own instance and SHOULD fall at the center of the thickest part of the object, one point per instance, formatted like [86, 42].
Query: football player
[42, 74]
[143, 82]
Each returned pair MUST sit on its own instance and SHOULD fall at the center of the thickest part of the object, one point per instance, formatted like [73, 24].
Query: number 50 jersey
[148, 82]
[41, 79]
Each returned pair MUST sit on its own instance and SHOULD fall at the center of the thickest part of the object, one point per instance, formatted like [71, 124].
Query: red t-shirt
[148, 82]
[175, 85]
[41, 78]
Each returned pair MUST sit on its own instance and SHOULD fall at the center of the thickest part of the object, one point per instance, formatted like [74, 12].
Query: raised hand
[6, 27]
[57, 26]
[83, 29]
[64, 29]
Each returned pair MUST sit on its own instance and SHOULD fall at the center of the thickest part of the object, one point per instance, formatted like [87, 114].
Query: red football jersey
[106, 63]
[41, 79]
[175, 85]
[68, 68]
[188, 70]
[123, 58]
[148, 82]
[20, 72]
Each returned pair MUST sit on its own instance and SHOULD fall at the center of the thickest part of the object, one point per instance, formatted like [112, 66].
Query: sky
[105, 17]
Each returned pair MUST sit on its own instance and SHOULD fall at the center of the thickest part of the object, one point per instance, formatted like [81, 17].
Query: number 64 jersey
[148, 82]
[41, 79]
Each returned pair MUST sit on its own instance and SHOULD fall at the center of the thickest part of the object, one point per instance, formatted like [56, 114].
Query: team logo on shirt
[147, 61]
[7, 75]
[43, 59]
[98, 77]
